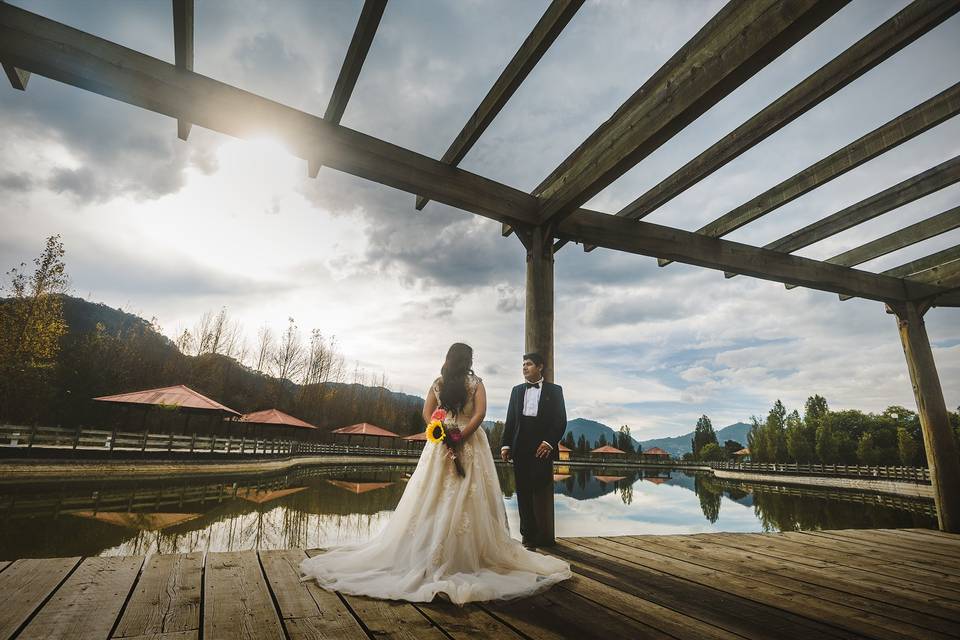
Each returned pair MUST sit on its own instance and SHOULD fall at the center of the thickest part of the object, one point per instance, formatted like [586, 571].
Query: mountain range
[676, 446]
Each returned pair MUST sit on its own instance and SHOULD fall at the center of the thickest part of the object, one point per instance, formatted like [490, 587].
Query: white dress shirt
[531, 405]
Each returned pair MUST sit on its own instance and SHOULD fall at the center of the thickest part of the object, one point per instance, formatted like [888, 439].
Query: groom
[536, 420]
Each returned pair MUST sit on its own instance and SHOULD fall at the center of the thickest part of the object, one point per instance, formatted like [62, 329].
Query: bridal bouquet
[438, 432]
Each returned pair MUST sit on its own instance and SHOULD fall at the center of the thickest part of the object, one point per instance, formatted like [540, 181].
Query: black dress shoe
[529, 546]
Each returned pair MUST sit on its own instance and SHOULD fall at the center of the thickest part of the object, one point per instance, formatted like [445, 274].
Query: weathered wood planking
[826, 584]
[236, 602]
[778, 546]
[702, 601]
[166, 599]
[307, 611]
[908, 612]
[88, 603]
[25, 584]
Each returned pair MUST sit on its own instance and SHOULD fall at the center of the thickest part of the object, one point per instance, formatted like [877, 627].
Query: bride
[449, 534]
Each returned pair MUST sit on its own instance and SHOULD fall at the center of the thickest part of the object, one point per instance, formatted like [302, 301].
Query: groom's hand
[505, 454]
[543, 450]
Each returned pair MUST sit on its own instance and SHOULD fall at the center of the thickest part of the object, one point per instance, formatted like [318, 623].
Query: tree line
[892, 437]
[57, 352]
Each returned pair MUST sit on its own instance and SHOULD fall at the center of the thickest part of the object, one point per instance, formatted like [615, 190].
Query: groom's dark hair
[535, 358]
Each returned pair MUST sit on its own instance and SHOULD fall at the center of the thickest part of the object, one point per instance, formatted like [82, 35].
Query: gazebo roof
[420, 435]
[564, 447]
[655, 451]
[359, 487]
[743, 452]
[609, 479]
[275, 416]
[180, 396]
[366, 429]
[607, 449]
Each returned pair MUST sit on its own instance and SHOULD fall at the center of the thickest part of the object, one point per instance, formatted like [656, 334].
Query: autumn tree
[31, 327]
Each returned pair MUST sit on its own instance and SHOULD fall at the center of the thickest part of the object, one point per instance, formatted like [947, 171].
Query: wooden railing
[905, 474]
[19, 437]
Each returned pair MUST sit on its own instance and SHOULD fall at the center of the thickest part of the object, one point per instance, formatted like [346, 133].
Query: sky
[170, 229]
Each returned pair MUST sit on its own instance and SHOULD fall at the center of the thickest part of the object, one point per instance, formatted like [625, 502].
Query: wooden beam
[904, 127]
[916, 19]
[923, 230]
[741, 39]
[920, 264]
[68, 55]
[353, 62]
[938, 441]
[943, 275]
[658, 241]
[183, 13]
[931, 180]
[363, 34]
[550, 25]
[18, 77]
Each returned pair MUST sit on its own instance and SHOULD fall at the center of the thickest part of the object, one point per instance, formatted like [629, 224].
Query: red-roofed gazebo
[419, 439]
[364, 430]
[277, 421]
[179, 398]
[655, 454]
[605, 451]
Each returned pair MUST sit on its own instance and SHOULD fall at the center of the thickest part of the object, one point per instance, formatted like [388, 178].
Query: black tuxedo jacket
[551, 420]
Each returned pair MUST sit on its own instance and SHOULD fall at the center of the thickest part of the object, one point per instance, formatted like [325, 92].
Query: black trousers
[534, 479]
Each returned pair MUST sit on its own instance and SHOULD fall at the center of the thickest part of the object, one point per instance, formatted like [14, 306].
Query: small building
[171, 409]
[607, 452]
[564, 452]
[743, 455]
[363, 432]
[273, 422]
[417, 440]
[655, 454]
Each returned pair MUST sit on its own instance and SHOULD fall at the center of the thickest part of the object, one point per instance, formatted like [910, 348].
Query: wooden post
[938, 440]
[539, 337]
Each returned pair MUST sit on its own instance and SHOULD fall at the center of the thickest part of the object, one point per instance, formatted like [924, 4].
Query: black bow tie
[532, 385]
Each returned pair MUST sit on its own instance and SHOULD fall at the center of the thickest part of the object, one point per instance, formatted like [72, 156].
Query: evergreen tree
[703, 435]
[568, 441]
[624, 441]
[602, 441]
[582, 444]
[776, 433]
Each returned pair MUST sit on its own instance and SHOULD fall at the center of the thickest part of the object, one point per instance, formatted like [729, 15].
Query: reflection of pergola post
[938, 439]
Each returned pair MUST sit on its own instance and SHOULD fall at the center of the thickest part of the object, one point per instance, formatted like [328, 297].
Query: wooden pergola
[735, 44]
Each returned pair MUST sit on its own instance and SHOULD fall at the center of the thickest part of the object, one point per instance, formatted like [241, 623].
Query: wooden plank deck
[892, 584]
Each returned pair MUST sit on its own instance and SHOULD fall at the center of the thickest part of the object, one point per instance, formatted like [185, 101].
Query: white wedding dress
[448, 535]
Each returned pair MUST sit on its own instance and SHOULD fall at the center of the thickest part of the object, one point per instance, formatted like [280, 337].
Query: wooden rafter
[923, 230]
[943, 275]
[183, 13]
[65, 54]
[931, 180]
[553, 21]
[68, 55]
[906, 126]
[893, 35]
[18, 77]
[740, 40]
[658, 241]
[352, 64]
[920, 265]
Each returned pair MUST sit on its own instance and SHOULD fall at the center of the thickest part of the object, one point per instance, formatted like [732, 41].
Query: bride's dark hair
[453, 374]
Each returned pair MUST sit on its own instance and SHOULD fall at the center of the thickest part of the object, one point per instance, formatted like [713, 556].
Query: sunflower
[435, 432]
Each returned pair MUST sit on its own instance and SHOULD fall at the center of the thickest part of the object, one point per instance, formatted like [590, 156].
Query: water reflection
[322, 505]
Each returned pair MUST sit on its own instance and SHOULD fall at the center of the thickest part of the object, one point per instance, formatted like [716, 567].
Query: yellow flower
[435, 432]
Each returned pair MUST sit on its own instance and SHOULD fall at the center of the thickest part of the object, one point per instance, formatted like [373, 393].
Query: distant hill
[679, 445]
[676, 446]
[592, 430]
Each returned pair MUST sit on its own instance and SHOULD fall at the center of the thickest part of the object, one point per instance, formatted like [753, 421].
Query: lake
[319, 505]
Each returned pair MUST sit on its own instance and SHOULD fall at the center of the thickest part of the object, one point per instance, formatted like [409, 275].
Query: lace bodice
[463, 417]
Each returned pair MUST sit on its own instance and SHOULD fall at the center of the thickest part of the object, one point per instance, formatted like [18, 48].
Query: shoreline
[51, 470]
